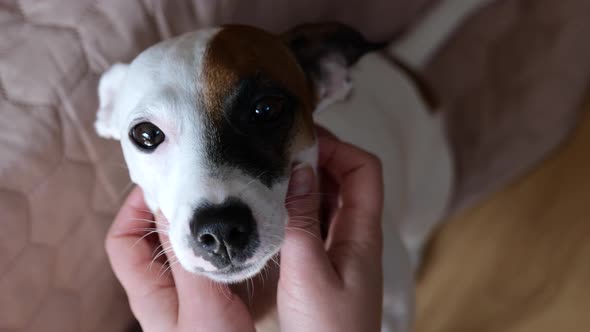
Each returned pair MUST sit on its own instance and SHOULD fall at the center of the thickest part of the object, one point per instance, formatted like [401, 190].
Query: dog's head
[211, 124]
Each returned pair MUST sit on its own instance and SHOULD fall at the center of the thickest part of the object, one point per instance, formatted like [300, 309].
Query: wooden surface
[520, 261]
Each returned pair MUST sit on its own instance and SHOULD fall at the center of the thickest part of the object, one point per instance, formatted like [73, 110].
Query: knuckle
[375, 161]
[375, 164]
[108, 245]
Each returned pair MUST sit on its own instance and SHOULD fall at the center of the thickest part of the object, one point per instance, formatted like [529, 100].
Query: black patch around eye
[260, 109]
[254, 142]
[146, 136]
[260, 106]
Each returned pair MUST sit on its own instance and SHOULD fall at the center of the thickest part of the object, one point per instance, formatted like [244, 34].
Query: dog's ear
[325, 51]
[109, 87]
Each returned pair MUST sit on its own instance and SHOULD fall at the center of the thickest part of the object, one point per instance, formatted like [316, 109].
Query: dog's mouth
[237, 272]
[233, 270]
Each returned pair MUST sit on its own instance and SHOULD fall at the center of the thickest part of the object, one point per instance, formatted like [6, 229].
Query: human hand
[166, 302]
[337, 290]
[336, 285]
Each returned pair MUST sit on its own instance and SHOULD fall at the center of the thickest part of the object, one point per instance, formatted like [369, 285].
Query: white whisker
[168, 268]
[160, 246]
[163, 252]
[304, 231]
[149, 221]
[310, 195]
[297, 218]
[258, 177]
[154, 231]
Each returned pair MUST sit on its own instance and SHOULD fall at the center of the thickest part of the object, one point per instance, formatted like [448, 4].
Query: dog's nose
[225, 232]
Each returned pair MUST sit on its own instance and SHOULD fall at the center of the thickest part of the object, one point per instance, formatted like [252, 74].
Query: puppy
[212, 122]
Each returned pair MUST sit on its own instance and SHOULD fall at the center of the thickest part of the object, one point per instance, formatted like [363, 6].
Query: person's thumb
[303, 242]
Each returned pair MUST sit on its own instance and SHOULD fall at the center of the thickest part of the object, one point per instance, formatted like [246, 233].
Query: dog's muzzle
[224, 234]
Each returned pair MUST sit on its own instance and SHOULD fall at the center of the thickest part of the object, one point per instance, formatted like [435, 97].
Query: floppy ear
[109, 87]
[325, 51]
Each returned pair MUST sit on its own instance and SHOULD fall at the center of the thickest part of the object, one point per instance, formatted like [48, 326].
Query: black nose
[224, 233]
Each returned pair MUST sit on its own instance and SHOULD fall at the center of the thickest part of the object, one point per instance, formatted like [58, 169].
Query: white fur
[307, 156]
[335, 85]
[110, 82]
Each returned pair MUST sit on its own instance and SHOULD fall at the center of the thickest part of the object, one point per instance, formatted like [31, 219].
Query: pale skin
[331, 285]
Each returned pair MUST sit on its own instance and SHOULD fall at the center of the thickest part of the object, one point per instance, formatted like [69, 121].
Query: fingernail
[301, 181]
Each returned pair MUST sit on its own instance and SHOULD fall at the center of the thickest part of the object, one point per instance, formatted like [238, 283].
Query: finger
[152, 299]
[303, 243]
[356, 225]
[323, 132]
[330, 201]
[328, 187]
[357, 172]
[203, 304]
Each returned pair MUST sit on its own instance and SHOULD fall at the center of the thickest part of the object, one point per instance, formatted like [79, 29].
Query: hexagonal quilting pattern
[14, 236]
[60, 312]
[31, 145]
[79, 247]
[100, 300]
[49, 56]
[60, 203]
[24, 286]
[64, 13]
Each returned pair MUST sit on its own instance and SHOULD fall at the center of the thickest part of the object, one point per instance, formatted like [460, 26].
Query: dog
[211, 124]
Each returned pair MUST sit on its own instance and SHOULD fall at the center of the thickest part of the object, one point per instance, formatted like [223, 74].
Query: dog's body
[212, 122]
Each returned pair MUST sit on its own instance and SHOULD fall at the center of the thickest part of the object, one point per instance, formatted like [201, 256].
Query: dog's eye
[146, 135]
[267, 109]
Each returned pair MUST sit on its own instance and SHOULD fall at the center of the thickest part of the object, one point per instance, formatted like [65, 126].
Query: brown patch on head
[239, 52]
